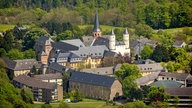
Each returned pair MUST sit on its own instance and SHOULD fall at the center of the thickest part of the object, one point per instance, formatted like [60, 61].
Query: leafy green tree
[29, 54]
[65, 35]
[146, 52]
[31, 36]
[27, 95]
[3, 53]
[127, 74]
[127, 70]
[65, 81]
[143, 30]
[157, 94]
[15, 54]
[176, 101]
[34, 70]
[75, 95]
[8, 40]
[160, 54]
[170, 67]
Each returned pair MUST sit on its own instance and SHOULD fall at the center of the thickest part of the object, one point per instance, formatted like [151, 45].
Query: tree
[157, 94]
[127, 70]
[176, 101]
[75, 95]
[27, 95]
[160, 54]
[65, 35]
[34, 70]
[8, 40]
[65, 81]
[146, 52]
[143, 30]
[126, 75]
[31, 36]
[29, 54]
[2, 52]
[15, 54]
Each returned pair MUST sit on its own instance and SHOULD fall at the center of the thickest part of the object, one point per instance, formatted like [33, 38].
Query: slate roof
[117, 66]
[145, 79]
[64, 47]
[42, 40]
[25, 64]
[100, 71]
[94, 51]
[48, 76]
[110, 54]
[31, 82]
[57, 67]
[101, 41]
[186, 91]
[96, 24]
[99, 80]
[75, 42]
[178, 43]
[87, 40]
[150, 67]
[180, 76]
[166, 84]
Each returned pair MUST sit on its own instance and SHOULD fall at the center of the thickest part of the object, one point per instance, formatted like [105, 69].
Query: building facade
[42, 91]
[105, 87]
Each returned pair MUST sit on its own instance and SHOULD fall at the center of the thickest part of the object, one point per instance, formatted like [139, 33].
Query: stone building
[20, 67]
[42, 91]
[52, 78]
[95, 86]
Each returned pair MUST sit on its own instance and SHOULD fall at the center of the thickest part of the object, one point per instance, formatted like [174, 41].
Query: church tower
[126, 38]
[96, 29]
[112, 41]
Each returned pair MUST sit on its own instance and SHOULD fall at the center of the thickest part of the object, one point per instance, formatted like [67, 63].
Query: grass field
[103, 27]
[86, 103]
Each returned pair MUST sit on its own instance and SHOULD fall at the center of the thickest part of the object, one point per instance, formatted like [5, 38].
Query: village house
[178, 77]
[100, 71]
[179, 44]
[95, 86]
[55, 68]
[20, 67]
[52, 78]
[147, 69]
[42, 91]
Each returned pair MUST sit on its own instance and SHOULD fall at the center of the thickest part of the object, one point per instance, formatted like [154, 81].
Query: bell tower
[112, 41]
[96, 29]
[126, 38]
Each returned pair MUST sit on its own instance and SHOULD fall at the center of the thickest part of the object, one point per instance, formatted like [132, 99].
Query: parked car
[67, 100]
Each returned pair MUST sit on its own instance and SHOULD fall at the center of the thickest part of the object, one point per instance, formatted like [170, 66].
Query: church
[108, 40]
[89, 51]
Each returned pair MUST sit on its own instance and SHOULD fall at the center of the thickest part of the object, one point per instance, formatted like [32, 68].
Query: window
[163, 78]
[167, 78]
[171, 78]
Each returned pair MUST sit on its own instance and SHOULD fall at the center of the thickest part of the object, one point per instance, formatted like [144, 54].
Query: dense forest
[158, 14]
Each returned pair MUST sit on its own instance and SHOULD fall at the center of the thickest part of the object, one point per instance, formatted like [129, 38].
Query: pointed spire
[126, 31]
[112, 32]
[96, 24]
